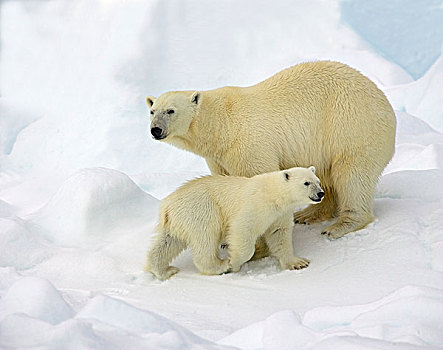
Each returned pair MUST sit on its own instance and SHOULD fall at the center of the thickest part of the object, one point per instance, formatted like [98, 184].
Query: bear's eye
[170, 111]
[306, 183]
[287, 176]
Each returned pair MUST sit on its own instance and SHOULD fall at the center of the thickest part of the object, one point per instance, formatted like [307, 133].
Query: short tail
[163, 220]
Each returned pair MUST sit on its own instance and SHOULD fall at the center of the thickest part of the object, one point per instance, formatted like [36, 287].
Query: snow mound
[418, 146]
[6, 209]
[122, 315]
[388, 323]
[19, 247]
[37, 298]
[423, 184]
[158, 331]
[416, 157]
[93, 203]
[422, 97]
[34, 313]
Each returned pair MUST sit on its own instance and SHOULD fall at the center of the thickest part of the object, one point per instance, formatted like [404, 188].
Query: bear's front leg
[279, 240]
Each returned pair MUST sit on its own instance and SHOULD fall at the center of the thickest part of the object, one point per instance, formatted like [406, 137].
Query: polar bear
[207, 211]
[321, 113]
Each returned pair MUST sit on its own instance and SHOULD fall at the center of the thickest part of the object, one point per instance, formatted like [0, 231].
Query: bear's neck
[207, 135]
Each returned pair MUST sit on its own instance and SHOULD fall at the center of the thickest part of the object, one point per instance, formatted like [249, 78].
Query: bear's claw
[332, 235]
[299, 264]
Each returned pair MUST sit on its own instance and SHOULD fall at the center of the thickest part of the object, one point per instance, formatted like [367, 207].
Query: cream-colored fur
[210, 210]
[321, 113]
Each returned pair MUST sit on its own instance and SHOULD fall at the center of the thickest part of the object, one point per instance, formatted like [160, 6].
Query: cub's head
[304, 185]
[172, 113]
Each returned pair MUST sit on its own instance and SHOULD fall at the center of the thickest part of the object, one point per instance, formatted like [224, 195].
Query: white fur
[210, 210]
[321, 113]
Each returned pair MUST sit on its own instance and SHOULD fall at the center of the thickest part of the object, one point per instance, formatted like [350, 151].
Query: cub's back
[225, 192]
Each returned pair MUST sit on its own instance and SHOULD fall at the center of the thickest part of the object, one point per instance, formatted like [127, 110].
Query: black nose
[156, 132]
[320, 194]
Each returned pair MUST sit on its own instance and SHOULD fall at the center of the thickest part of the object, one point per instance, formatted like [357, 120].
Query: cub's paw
[224, 268]
[296, 264]
[221, 267]
[234, 268]
[168, 273]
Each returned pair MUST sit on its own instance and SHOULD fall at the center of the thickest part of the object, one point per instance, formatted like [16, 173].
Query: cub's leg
[355, 190]
[162, 251]
[205, 249]
[279, 240]
[241, 247]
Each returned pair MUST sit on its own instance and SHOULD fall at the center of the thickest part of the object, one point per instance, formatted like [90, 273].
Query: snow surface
[81, 180]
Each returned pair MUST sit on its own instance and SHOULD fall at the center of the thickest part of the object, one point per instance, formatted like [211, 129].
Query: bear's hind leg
[325, 210]
[205, 249]
[241, 247]
[355, 190]
[163, 250]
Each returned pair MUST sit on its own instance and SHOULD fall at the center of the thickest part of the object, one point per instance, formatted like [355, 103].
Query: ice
[400, 35]
[81, 179]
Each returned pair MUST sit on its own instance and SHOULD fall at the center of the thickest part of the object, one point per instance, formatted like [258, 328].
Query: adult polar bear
[322, 113]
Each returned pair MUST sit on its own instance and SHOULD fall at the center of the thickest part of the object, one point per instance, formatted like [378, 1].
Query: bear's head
[172, 113]
[304, 185]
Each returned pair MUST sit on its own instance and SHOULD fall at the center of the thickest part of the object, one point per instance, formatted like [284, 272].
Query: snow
[81, 180]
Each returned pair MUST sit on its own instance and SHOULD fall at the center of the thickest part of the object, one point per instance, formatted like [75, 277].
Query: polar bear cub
[207, 211]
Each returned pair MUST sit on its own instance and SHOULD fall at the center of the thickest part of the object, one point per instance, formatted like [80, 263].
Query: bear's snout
[157, 133]
[320, 194]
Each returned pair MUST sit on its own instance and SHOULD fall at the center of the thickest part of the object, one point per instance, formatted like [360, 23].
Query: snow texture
[81, 180]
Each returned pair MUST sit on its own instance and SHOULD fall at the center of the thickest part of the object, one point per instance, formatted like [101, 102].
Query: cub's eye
[306, 183]
[170, 111]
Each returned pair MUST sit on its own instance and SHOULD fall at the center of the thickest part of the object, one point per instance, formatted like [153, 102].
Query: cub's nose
[156, 132]
[320, 194]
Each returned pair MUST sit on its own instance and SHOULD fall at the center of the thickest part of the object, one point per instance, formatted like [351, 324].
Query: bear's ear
[150, 101]
[196, 98]
[286, 176]
[312, 168]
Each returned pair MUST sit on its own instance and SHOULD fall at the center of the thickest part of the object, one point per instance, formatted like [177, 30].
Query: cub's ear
[196, 98]
[150, 101]
[286, 176]
[312, 168]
